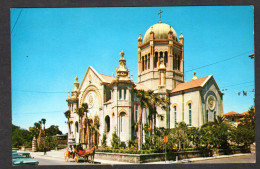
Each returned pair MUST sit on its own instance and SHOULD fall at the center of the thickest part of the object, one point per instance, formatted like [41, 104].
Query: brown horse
[91, 153]
[85, 153]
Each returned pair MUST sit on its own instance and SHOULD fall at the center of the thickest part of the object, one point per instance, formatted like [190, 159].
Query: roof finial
[122, 53]
[160, 12]
[194, 76]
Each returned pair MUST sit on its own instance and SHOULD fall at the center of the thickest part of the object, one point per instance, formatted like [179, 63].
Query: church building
[112, 106]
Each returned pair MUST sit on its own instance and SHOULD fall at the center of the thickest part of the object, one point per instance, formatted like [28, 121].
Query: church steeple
[160, 42]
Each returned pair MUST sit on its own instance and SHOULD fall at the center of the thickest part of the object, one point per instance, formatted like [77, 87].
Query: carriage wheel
[76, 158]
[66, 156]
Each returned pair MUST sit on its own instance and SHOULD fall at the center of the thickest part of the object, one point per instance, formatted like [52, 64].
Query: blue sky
[50, 46]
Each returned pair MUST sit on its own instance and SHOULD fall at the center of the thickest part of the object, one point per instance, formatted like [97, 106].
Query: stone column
[139, 61]
[151, 61]
[159, 78]
[163, 78]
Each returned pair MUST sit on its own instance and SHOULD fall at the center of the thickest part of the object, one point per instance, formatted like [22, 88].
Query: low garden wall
[172, 156]
[130, 158]
[152, 157]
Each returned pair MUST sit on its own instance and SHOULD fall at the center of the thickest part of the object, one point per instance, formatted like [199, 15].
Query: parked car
[15, 149]
[23, 158]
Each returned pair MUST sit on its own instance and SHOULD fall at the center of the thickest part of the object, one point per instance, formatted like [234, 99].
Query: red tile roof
[247, 112]
[190, 84]
[232, 113]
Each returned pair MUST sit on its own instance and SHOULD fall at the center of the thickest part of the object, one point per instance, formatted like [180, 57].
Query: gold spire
[122, 71]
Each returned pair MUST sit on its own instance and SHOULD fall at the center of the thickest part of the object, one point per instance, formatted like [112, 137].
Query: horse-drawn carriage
[77, 153]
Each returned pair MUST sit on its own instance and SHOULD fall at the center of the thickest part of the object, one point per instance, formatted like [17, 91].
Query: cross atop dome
[160, 12]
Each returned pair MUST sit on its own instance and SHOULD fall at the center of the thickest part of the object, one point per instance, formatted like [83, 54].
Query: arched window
[107, 123]
[124, 94]
[136, 113]
[77, 127]
[165, 58]
[155, 60]
[120, 94]
[145, 62]
[189, 114]
[179, 63]
[122, 114]
[148, 61]
[175, 115]
[142, 63]
[174, 62]
[207, 116]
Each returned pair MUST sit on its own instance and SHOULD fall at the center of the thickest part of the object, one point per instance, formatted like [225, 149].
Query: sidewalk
[59, 155]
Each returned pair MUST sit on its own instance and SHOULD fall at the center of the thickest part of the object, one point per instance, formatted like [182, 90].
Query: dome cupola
[161, 31]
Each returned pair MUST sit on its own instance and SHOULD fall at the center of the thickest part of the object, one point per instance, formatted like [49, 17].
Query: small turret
[170, 33]
[140, 39]
[76, 84]
[151, 33]
[194, 76]
[122, 72]
[181, 39]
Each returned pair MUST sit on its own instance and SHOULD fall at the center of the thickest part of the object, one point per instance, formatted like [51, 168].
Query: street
[249, 158]
[57, 161]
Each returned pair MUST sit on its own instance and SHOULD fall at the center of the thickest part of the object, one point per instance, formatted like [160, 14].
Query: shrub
[131, 143]
[122, 145]
[104, 140]
[115, 140]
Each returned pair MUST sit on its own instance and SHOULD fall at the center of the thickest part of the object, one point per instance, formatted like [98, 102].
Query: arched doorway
[122, 128]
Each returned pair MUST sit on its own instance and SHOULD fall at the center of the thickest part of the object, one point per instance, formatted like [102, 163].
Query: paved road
[249, 158]
[56, 161]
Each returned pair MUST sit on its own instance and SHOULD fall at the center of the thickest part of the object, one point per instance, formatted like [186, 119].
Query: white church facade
[160, 69]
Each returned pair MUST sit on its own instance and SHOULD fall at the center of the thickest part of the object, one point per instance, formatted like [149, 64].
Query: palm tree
[80, 113]
[144, 103]
[40, 133]
[43, 122]
[219, 120]
[154, 102]
[85, 109]
[181, 134]
[37, 128]
[67, 115]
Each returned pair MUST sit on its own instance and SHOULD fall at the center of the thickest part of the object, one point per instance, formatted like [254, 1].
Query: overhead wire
[16, 20]
[219, 61]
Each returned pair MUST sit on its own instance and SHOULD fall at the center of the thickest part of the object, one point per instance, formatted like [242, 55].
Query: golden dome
[161, 31]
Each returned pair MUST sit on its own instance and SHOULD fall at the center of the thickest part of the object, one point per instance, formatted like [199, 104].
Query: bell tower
[160, 53]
